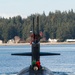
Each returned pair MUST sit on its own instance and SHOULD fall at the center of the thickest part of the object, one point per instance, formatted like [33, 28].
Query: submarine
[35, 68]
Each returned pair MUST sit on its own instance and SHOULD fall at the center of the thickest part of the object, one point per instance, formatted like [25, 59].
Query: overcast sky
[9, 8]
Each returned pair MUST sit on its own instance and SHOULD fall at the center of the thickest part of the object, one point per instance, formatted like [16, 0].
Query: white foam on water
[55, 73]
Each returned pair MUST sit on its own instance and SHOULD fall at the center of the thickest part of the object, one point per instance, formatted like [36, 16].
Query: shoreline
[47, 43]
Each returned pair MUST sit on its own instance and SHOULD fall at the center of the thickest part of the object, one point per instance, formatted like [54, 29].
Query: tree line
[56, 25]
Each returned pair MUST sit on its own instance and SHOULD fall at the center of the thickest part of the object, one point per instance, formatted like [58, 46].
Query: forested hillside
[56, 25]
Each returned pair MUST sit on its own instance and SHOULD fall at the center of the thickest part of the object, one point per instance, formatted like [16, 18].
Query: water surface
[63, 64]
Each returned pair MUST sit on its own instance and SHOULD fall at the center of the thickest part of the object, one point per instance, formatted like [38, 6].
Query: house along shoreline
[46, 43]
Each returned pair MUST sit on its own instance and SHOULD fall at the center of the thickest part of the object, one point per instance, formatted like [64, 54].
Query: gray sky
[10, 8]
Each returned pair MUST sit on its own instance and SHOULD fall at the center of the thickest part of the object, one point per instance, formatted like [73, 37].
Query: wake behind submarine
[35, 68]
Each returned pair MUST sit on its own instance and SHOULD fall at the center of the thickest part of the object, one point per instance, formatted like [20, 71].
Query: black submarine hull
[42, 71]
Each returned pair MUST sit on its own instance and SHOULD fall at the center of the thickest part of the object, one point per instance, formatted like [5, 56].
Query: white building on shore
[52, 40]
[70, 40]
[1, 41]
[11, 41]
